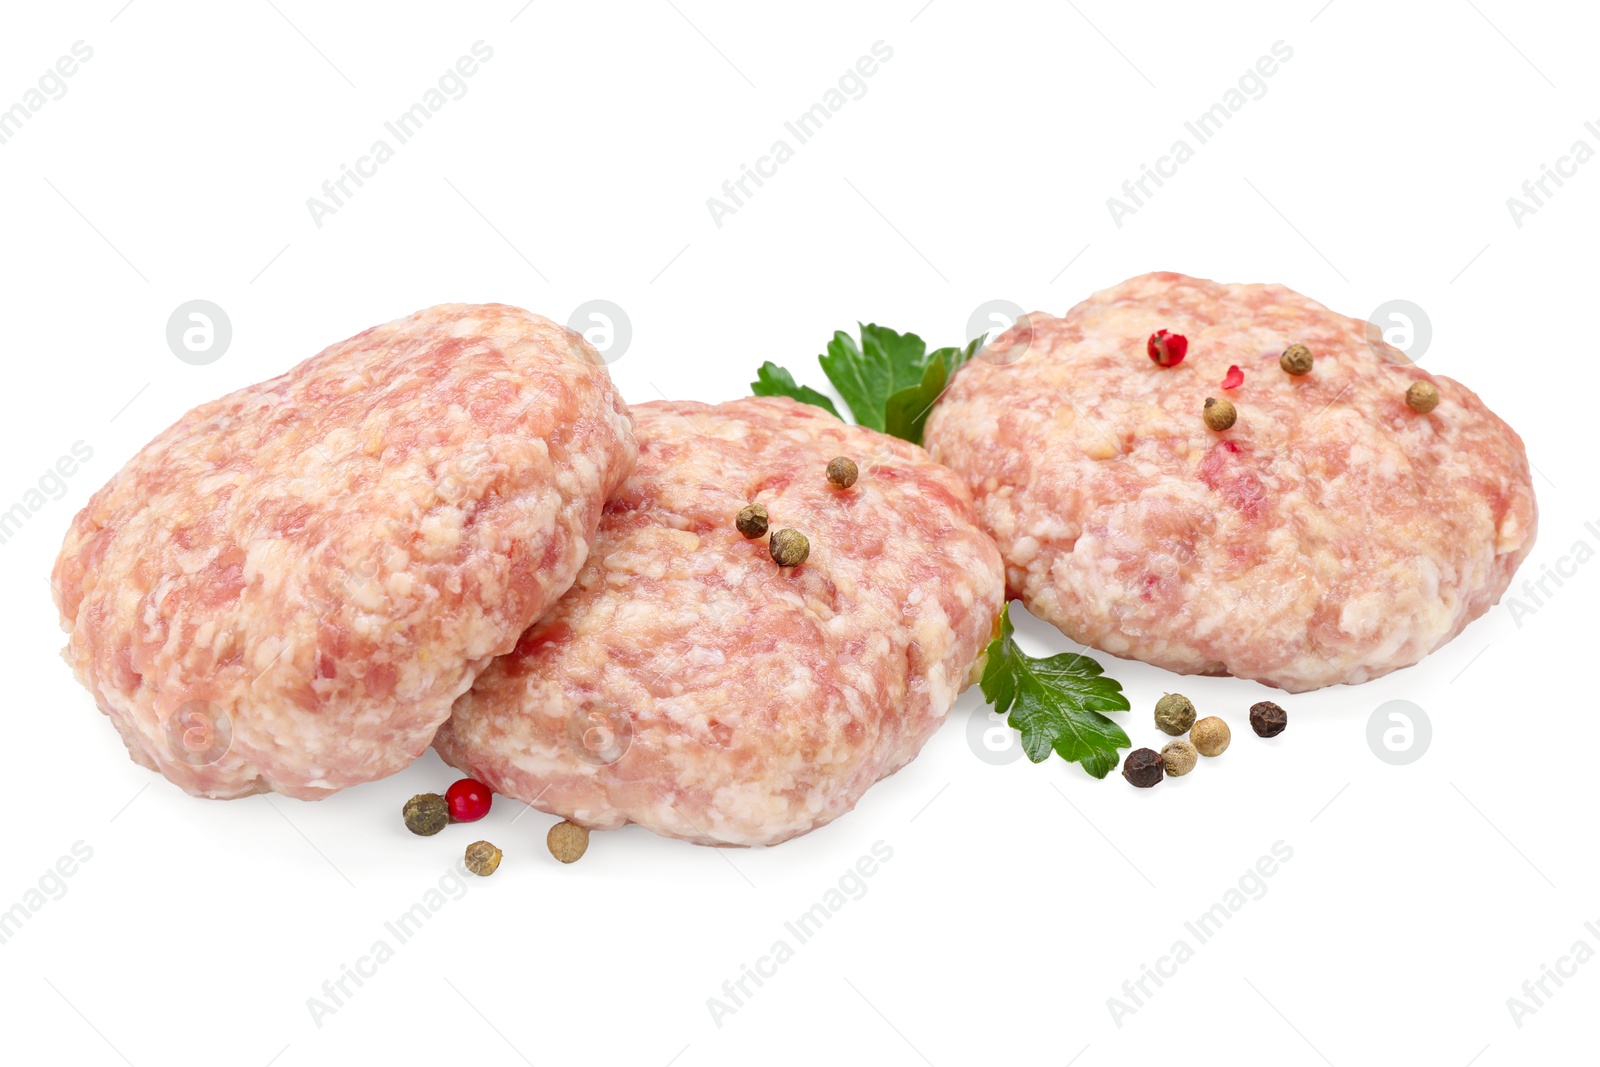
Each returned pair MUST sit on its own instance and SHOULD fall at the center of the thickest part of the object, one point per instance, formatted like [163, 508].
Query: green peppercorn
[1422, 397]
[1219, 414]
[483, 859]
[426, 814]
[1143, 768]
[789, 548]
[842, 472]
[1174, 714]
[1180, 757]
[1296, 360]
[752, 521]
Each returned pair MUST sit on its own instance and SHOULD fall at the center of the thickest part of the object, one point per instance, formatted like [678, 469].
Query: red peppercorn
[1234, 378]
[1167, 349]
[469, 800]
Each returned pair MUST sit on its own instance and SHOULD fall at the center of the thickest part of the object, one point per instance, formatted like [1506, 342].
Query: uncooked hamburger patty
[287, 589]
[1332, 535]
[688, 684]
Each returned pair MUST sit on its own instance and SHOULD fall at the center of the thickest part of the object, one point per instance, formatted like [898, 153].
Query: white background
[1019, 898]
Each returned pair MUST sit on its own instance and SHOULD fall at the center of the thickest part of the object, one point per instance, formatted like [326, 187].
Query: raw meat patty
[287, 589]
[688, 684]
[1332, 535]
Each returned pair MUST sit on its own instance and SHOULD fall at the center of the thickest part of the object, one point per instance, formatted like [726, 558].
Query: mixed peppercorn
[1175, 715]
[469, 800]
[1167, 349]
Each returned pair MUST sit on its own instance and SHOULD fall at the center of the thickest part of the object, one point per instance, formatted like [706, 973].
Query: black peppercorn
[426, 814]
[1267, 719]
[842, 472]
[752, 521]
[1144, 767]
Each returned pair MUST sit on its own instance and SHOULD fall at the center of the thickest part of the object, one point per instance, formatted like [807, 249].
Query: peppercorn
[483, 859]
[567, 841]
[1296, 360]
[1219, 414]
[752, 521]
[1268, 719]
[842, 472]
[426, 814]
[1174, 714]
[789, 548]
[1166, 349]
[1210, 736]
[1422, 397]
[1143, 767]
[1180, 757]
[469, 800]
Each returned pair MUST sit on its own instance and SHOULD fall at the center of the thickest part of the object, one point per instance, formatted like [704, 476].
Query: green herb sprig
[1055, 703]
[889, 380]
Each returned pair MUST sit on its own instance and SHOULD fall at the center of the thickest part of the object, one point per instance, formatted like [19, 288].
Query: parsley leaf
[773, 380]
[866, 375]
[889, 380]
[906, 411]
[1055, 703]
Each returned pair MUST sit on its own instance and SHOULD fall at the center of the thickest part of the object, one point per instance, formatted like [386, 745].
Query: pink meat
[287, 589]
[688, 684]
[1332, 535]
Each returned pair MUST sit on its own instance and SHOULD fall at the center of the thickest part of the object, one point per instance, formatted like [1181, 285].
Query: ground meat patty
[1332, 535]
[688, 684]
[287, 589]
